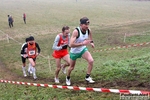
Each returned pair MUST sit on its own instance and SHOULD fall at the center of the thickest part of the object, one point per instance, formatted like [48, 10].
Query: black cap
[31, 38]
[84, 20]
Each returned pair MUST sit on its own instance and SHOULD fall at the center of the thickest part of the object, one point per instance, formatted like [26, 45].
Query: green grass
[110, 21]
[39, 93]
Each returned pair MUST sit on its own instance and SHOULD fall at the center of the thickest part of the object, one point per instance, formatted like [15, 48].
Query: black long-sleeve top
[26, 46]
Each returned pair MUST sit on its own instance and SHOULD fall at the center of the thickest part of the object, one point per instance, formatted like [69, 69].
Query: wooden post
[7, 38]
[124, 38]
[49, 64]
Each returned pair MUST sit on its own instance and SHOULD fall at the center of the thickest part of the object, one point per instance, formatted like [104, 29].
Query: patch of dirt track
[7, 74]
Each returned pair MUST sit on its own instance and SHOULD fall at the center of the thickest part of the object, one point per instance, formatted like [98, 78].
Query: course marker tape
[78, 88]
[127, 46]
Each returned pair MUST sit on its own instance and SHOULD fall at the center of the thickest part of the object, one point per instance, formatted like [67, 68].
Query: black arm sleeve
[38, 47]
[78, 32]
[23, 49]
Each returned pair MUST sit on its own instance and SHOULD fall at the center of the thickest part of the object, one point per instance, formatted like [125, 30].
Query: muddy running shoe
[63, 69]
[89, 80]
[24, 74]
[56, 80]
[24, 71]
[29, 73]
[34, 76]
[68, 81]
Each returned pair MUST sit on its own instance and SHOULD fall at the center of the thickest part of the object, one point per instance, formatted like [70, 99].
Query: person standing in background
[60, 45]
[10, 21]
[24, 18]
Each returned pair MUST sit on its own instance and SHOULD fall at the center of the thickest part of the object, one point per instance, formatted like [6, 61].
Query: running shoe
[90, 80]
[68, 81]
[56, 80]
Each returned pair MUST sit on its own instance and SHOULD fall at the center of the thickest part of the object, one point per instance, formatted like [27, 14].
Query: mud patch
[7, 74]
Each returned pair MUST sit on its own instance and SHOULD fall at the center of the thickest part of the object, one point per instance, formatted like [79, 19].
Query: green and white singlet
[81, 38]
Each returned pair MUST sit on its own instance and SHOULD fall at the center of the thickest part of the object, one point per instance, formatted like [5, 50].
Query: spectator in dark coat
[24, 18]
[10, 21]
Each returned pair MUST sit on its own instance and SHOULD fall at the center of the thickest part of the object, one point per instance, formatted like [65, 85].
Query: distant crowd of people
[11, 20]
[77, 44]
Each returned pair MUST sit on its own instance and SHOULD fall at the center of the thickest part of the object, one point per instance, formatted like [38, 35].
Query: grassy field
[110, 20]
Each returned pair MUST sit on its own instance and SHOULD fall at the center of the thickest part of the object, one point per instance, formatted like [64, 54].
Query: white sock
[30, 67]
[23, 69]
[34, 70]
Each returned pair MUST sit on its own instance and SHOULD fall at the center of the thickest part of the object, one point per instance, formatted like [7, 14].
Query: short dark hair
[31, 38]
[65, 28]
[27, 39]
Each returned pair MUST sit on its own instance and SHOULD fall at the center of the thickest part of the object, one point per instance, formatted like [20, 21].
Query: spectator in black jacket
[10, 21]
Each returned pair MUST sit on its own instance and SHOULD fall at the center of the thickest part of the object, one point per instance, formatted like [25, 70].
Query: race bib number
[32, 52]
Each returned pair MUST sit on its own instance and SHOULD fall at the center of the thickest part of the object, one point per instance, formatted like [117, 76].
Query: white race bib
[32, 52]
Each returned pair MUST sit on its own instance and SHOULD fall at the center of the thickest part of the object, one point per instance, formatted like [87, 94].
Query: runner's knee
[71, 68]
[67, 64]
[58, 68]
[91, 61]
[33, 64]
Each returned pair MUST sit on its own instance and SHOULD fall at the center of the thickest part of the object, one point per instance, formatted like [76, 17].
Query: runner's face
[85, 26]
[31, 42]
[66, 32]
